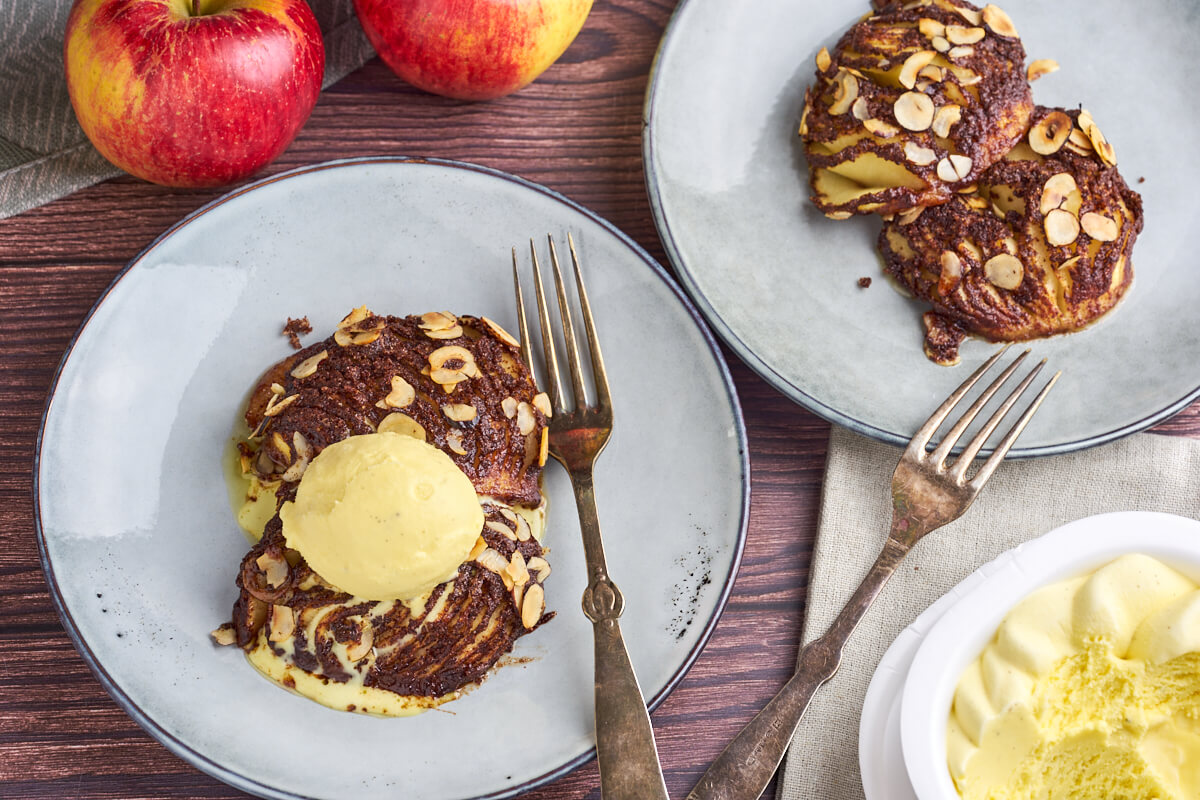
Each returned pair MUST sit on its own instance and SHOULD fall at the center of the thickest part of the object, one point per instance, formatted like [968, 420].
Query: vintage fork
[926, 494]
[625, 749]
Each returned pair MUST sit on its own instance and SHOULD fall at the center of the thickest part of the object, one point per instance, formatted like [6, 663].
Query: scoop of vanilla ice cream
[383, 516]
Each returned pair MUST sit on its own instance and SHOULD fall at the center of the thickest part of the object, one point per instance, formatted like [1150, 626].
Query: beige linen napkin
[1024, 499]
[43, 151]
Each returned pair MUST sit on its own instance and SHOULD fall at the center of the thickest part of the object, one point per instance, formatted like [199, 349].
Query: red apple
[193, 92]
[471, 49]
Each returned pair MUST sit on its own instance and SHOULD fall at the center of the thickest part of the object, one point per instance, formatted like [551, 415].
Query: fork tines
[917, 448]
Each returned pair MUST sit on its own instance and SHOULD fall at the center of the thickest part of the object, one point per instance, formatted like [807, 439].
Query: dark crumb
[1142, 179]
[864, 282]
[295, 328]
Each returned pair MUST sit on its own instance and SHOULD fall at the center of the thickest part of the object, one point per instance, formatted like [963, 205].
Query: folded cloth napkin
[1023, 500]
[43, 151]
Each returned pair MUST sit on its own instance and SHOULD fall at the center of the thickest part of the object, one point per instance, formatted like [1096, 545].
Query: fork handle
[625, 748]
[745, 767]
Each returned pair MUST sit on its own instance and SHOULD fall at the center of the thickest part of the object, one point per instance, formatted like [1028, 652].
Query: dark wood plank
[576, 130]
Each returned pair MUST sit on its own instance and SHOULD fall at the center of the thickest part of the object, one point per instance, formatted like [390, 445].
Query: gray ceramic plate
[778, 281]
[140, 549]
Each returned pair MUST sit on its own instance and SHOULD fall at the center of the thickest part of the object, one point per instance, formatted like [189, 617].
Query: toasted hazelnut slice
[945, 118]
[509, 515]
[954, 168]
[356, 338]
[1099, 227]
[500, 528]
[480, 545]
[524, 533]
[845, 93]
[1050, 133]
[960, 34]
[544, 447]
[275, 408]
[438, 321]
[913, 65]
[1103, 148]
[1062, 228]
[941, 44]
[533, 605]
[935, 74]
[541, 401]
[517, 570]
[509, 406]
[907, 217]
[951, 272]
[501, 334]
[454, 440]
[1080, 140]
[881, 128]
[1056, 191]
[354, 317]
[823, 59]
[971, 15]
[1000, 23]
[402, 424]
[540, 567]
[1040, 68]
[492, 561]
[839, 215]
[366, 641]
[275, 568]
[921, 156]
[459, 412]
[280, 447]
[961, 51]
[859, 110]
[446, 333]
[309, 365]
[283, 623]
[526, 421]
[1004, 271]
[303, 455]
[402, 394]
[979, 204]
[803, 129]
[225, 635]
[450, 357]
[931, 27]
[914, 111]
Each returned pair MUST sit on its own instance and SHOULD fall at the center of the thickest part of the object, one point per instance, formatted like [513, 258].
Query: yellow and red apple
[471, 49]
[193, 92]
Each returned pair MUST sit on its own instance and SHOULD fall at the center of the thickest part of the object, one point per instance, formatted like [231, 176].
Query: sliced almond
[1056, 191]
[501, 334]
[366, 641]
[1004, 270]
[1062, 228]
[544, 447]
[276, 406]
[913, 65]
[859, 110]
[880, 129]
[921, 156]
[971, 15]
[526, 421]
[954, 168]
[961, 51]
[823, 59]
[839, 215]
[438, 321]
[931, 27]
[402, 394]
[492, 561]
[539, 567]
[1099, 227]
[353, 318]
[941, 44]
[1000, 23]
[914, 111]
[960, 34]
[951, 272]
[480, 545]
[275, 568]
[309, 365]
[844, 93]
[224, 635]
[283, 623]
[500, 528]
[459, 412]
[446, 333]
[524, 533]
[946, 117]
[1103, 148]
[541, 401]
[509, 406]
[533, 605]
[1050, 133]
[454, 440]
[517, 570]
[304, 453]
[1040, 68]
[402, 424]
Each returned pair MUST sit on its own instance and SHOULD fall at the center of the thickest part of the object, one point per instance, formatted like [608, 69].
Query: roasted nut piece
[309, 365]
[402, 394]
[1040, 68]
[500, 333]
[402, 424]
[534, 604]
[1000, 23]
[1050, 133]
[914, 111]
[459, 412]
[1009, 261]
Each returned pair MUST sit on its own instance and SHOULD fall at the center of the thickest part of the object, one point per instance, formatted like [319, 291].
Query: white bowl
[960, 635]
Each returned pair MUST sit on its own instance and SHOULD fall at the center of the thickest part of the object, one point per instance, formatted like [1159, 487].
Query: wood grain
[576, 130]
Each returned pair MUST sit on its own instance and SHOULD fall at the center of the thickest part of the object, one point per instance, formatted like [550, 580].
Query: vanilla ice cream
[1089, 689]
[383, 516]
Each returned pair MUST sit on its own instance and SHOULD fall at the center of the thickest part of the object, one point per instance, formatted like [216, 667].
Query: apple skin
[193, 101]
[471, 49]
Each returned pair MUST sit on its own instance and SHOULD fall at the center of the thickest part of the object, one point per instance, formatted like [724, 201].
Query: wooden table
[577, 130]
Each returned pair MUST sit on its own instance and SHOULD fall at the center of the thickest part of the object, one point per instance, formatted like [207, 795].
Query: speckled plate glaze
[778, 281]
[140, 548]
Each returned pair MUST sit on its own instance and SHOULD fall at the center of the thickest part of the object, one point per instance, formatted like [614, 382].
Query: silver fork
[926, 494]
[625, 748]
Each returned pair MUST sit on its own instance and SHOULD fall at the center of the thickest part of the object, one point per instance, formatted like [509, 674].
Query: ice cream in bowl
[1071, 672]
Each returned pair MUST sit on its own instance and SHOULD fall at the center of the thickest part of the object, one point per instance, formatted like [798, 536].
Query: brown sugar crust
[1042, 246]
[915, 102]
[346, 386]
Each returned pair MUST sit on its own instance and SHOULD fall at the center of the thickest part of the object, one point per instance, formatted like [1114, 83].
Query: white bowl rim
[960, 635]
